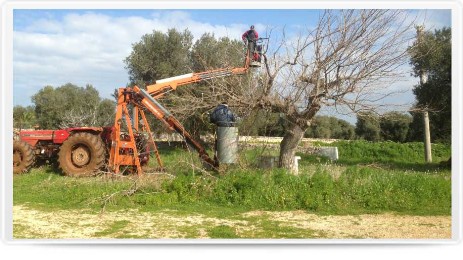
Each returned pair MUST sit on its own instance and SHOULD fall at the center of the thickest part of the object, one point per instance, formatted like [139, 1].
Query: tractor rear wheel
[82, 154]
[23, 157]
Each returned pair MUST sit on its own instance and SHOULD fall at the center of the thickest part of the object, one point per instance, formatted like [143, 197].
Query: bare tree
[95, 116]
[346, 61]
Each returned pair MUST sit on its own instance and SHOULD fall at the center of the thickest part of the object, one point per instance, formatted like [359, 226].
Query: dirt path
[32, 223]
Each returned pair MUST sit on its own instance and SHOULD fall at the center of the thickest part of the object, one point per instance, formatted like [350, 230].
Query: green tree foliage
[23, 117]
[368, 126]
[432, 54]
[211, 53]
[394, 126]
[330, 127]
[266, 123]
[70, 105]
[159, 55]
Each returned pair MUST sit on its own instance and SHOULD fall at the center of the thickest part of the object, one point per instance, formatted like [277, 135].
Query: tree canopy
[159, 55]
[431, 54]
[70, 105]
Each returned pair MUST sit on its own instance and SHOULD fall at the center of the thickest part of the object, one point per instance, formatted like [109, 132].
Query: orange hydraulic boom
[124, 150]
[165, 85]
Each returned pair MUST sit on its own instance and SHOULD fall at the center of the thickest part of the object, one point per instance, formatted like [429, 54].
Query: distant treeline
[391, 126]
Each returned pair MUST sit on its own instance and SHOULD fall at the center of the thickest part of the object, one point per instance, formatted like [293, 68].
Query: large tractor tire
[82, 154]
[23, 157]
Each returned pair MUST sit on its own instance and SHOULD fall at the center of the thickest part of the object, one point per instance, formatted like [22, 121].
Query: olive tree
[72, 106]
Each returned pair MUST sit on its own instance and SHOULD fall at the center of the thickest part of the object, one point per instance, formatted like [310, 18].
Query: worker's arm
[244, 36]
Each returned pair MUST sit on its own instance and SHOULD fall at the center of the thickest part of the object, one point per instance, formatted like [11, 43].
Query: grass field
[369, 178]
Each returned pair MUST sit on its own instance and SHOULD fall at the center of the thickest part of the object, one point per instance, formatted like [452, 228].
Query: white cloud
[90, 48]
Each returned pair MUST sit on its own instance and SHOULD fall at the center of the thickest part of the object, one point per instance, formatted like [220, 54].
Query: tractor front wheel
[82, 154]
[23, 157]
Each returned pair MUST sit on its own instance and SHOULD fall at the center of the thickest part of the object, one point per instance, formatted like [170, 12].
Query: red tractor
[80, 151]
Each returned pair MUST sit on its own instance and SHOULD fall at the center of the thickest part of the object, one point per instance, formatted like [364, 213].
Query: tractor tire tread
[28, 156]
[97, 154]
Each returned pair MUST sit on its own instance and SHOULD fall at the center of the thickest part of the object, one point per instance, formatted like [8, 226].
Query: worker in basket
[250, 38]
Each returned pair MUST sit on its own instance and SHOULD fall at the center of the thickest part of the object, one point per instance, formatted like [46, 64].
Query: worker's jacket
[222, 116]
[250, 35]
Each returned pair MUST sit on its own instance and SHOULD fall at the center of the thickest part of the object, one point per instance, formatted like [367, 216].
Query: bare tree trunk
[288, 145]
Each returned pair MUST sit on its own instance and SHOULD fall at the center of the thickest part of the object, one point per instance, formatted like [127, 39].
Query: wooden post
[427, 138]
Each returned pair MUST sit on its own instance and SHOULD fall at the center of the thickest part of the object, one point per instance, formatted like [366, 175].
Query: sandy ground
[32, 223]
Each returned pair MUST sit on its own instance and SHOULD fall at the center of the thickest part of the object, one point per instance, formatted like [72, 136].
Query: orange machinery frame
[124, 151]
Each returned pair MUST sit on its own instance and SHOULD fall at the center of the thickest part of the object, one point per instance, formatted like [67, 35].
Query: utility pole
[423, 80]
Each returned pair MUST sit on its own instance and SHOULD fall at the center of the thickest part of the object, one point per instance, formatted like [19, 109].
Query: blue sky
[54, 47]
[216, 16]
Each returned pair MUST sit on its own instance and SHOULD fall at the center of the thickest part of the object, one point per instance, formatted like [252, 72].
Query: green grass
[368, 178]
[113, 228]
[222, 231]
[395, 155]
[357, 190]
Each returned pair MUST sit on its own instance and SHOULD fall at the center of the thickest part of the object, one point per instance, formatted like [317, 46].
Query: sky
[55, 47]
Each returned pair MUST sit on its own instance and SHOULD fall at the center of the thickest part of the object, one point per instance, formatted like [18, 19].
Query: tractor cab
[259, 50]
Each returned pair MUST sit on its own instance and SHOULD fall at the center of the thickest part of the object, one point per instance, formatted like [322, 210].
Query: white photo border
[6, 101]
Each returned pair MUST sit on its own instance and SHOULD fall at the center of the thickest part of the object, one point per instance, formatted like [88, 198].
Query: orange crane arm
[163, 86]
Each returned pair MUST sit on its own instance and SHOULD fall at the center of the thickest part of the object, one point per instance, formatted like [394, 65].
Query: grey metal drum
[227, 144]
